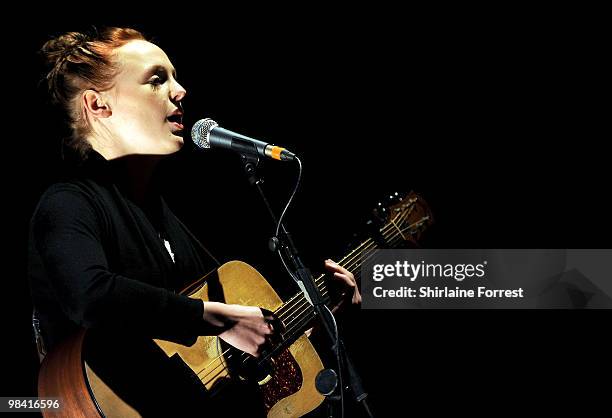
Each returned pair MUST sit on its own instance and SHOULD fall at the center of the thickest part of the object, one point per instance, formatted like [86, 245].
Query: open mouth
[176, 121]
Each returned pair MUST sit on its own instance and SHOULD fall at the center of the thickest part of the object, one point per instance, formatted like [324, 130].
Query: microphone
[206, 133]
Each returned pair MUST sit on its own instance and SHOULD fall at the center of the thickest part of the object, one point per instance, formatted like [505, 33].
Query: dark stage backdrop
[492, 121]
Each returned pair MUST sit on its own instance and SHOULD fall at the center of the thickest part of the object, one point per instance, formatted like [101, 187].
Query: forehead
[138, 56]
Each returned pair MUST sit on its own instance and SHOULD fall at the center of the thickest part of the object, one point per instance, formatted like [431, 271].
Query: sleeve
[67, 234]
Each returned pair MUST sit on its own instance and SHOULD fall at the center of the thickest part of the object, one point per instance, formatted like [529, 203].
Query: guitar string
[418, 224]
[300, 316]
[266, 357]
[393, 233]
[363, 257]
[286, 311]
[206, 380]
[245, 357]
[280, 313]
[303, 318]
[395, 240]
[385, 234]
[289, 307]
[398, 237]
[290, 331]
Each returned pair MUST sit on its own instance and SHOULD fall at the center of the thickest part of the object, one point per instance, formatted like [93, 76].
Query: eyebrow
[157, 68]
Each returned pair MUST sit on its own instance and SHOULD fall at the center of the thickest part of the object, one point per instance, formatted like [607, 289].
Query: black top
[96, 259]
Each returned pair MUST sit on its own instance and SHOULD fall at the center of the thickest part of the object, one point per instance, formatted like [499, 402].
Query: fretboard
[297, 313]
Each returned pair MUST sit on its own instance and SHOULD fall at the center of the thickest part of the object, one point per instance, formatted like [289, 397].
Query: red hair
[79, 62]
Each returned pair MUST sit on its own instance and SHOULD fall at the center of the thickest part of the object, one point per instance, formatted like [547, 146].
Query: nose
[178, 92]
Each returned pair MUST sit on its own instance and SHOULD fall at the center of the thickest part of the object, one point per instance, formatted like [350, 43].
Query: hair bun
[63, 47]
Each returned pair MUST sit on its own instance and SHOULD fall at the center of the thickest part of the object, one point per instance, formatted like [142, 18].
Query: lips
[175, 119]
[176, 126]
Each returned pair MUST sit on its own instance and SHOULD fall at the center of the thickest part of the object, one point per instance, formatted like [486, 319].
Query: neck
[134, 172]
[136, 175]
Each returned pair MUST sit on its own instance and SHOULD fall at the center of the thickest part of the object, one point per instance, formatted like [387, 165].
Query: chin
[178, 141]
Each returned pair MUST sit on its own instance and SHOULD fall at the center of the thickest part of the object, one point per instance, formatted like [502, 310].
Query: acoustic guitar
[123, 376]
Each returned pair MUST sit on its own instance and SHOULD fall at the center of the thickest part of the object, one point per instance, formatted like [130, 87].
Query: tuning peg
[394, 198]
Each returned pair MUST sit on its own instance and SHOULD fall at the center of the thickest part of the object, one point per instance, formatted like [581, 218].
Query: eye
[157, 80]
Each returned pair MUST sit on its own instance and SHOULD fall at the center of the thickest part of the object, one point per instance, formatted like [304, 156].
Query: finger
[267, 314]
[267, 346]
[276, 323]
[336, 268]
[345, 278]
[332, 265]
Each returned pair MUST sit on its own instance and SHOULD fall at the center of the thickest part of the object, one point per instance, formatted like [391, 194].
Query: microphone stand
[302, 273]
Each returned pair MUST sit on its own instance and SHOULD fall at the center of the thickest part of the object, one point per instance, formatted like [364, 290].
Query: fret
[297, 312]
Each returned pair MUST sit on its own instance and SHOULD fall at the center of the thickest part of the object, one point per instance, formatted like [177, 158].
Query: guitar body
[87, 387]
[118, 375]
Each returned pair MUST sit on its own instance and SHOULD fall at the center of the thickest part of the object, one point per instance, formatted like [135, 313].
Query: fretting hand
[347, 279]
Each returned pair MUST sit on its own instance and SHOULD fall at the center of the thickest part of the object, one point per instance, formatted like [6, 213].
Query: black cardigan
[96, 259]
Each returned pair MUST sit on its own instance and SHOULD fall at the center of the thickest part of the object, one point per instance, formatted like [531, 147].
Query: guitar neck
[405, 223]
[389, 236]
[297, 312]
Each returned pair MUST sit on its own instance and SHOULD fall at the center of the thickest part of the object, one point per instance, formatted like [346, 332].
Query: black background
[493, 116]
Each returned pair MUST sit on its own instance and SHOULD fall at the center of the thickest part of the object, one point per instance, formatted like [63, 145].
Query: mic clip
[273, 244]
[249, 163]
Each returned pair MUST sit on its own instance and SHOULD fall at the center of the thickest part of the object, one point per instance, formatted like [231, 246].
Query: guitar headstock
[402, 220]
[399, 221]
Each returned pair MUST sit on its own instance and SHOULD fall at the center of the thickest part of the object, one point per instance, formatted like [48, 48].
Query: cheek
[149, 110]
[143, 109]
[158, 106]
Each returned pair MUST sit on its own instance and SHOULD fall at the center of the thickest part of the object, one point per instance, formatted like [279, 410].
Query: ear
[95, 105]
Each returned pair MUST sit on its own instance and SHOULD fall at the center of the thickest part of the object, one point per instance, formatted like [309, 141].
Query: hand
[347, 278]
[243, 327]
